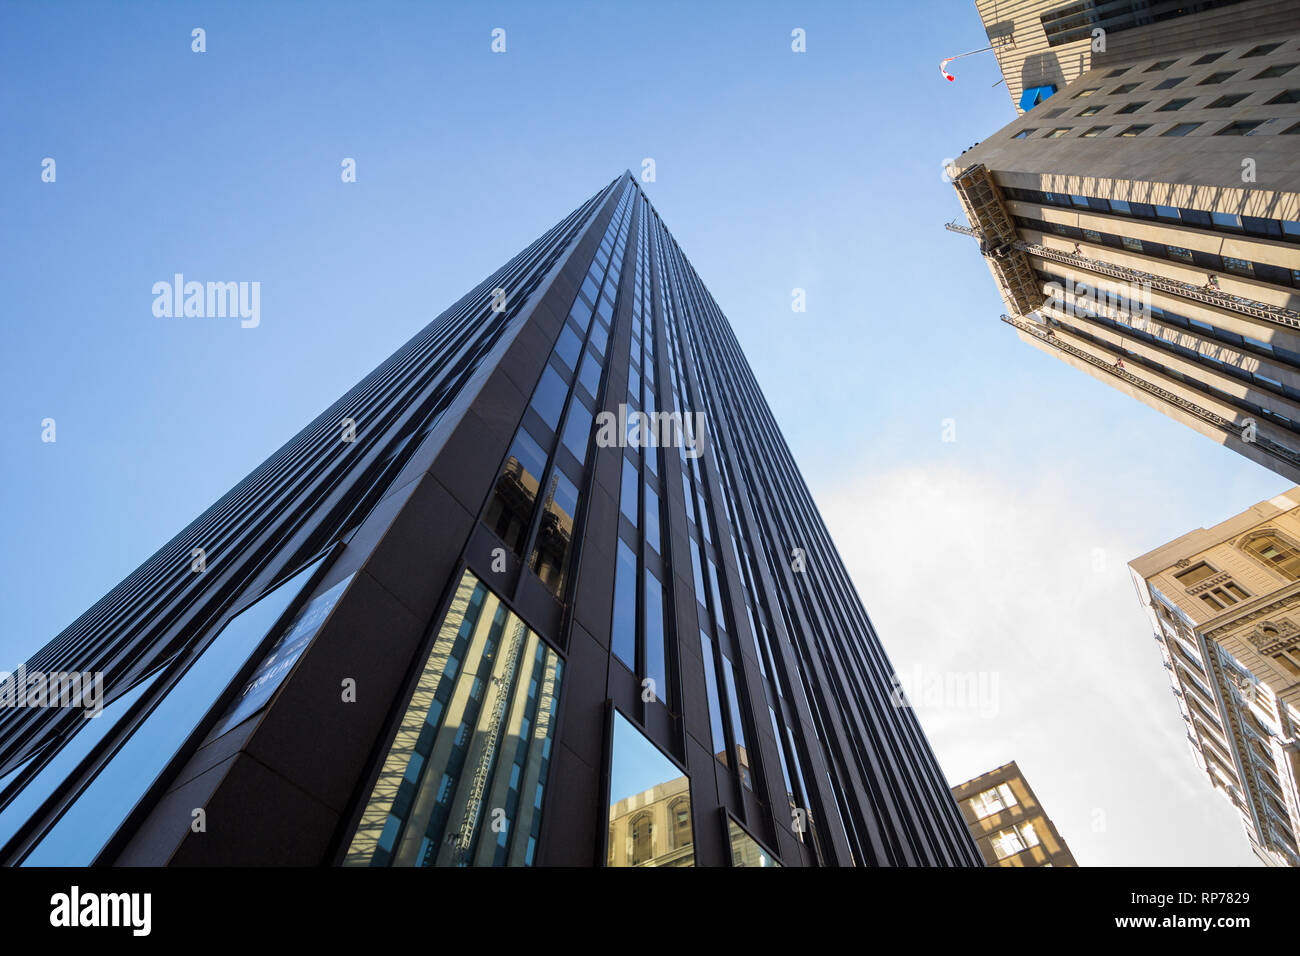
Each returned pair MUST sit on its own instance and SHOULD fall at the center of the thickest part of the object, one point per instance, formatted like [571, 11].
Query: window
[1135, 130]
[1014, 840]
[569, 347]
[555, 534]
[1087, 92]
[1182, 129]
[1023, 134]
[1094, 131]
[1057, 133]
[548, 397]
[1052, 114]
[1241, 128]
[1133, 245]
[577, 430]
[737, 724]
[648, 794]
[1275, 552]
[1225, 220]
[1131, 107]
[1208, 58]
[623, 628]
[1091, 110]
[510, 510]
[1210, 600]
[1260, 50]
[590, 374]
[1124, 88]
[1286, 96]
[1159, 65]
[653, 629]
[1170, 83]
[1178, 252]
[713, 693]
[745, 850]
[994, 800]
[1242, 266]
[1117, 72]
[1195, 574]
[1291, 131]
[1223, 102]
[627, 502]
[1174, 105]
[1272, 72]
[1092, 235]
[1216, 78]
[95, 815]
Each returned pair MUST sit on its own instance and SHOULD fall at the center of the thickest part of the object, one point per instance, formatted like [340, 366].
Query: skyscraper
[1008, 823]
[1141, 218]
[546, 587]
[1224, 609]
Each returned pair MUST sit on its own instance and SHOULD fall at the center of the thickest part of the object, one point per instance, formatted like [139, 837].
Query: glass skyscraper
[545, 588]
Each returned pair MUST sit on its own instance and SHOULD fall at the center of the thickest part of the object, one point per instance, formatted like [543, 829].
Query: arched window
[642, 838]
[1275, 551]
[679, 822]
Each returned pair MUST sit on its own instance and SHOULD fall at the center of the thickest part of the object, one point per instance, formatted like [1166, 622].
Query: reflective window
[548, 399]
[569, 347]
[737, 725]
[654, 636]
[577, 431]
[511, 507]
[92, 820]
[87, 733]
[649, 804]
[623, 627]
[627, 499]
[473, 749]
[555, 535]
[745, 850]
[651, 516]
[590, 374]
[715, 707]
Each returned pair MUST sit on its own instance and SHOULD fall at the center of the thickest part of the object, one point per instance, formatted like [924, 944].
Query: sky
[1001, 553]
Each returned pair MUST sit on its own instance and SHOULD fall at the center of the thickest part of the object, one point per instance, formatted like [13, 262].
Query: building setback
[1007, 821]
[1224, 609]
[1141, 217]
[546, 587]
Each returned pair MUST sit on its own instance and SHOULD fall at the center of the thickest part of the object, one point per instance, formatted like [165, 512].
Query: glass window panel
[713, 692]
[92, 820]
[737, 725]
[577, 430]
[627, 499]
[510, 510]
[475, 739]
[745, 850]
[590, 374]
[623, 627]
[569, 347]
[649, 803]
[655, 667]
[89, 732]
[599, 338]
[548, 398]
[651, 516]
[555, 535]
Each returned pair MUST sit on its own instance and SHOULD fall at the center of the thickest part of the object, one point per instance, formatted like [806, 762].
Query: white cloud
[963, 575]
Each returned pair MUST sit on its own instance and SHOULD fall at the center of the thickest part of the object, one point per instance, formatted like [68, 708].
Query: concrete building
[1141, 217]
[465, 619]
[1224, 605]
[1008, 823]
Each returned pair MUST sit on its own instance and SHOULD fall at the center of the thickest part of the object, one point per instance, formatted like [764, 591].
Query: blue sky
[775, 170]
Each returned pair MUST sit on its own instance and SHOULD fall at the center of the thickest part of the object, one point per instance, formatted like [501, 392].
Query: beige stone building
[1141, 217]
[1007, 821]
[1224, 604]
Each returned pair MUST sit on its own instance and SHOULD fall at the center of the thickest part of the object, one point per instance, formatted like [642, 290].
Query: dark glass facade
[545, 588]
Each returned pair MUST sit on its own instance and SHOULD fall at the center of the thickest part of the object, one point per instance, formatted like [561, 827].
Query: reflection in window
[654, 636]
[737, 725]
[712, 692]
[993, 800]
[92, 820]
[548, 399]
[1276, 552]
[745, 850]
[511, 507]
[649, 804]
[473, 747]
[623, 628]
[577, 430]
[551, 553]
[627, 499]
